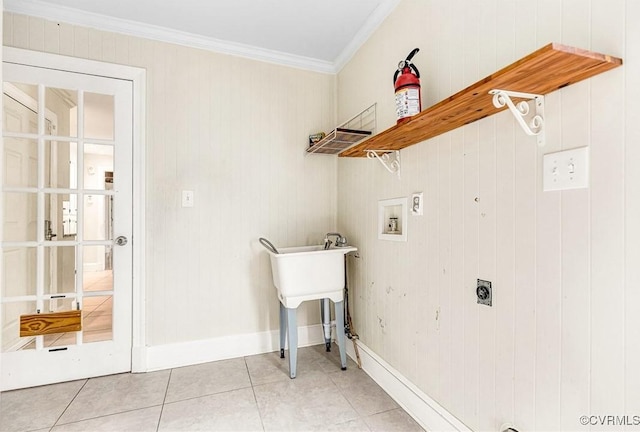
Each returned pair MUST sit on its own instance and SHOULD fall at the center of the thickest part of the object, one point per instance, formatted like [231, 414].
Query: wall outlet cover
[187, 198]
[417, 201]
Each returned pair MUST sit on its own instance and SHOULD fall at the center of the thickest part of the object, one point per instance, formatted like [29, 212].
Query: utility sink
[309, 273]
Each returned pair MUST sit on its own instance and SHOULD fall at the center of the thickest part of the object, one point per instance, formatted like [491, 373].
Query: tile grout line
[69, 404]
[166, 391]
[102, 416]
[362, 416]
[253, 390]
[344, 396]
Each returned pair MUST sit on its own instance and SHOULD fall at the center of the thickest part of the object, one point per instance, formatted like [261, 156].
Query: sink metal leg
[340, 333]
[283, 329]
[292, 334]
[325, 314]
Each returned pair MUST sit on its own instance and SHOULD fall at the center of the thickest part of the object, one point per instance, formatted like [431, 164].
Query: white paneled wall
[562, 339]
[233, 131]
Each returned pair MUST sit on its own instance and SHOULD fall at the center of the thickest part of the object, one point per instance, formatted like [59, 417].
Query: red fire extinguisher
[407, 85]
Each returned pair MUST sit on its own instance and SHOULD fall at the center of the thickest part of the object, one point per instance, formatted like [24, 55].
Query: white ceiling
[313, 34]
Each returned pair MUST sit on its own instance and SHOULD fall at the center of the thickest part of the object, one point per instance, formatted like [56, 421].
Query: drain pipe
[349, 330]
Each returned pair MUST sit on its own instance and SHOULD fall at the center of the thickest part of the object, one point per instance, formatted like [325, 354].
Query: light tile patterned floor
[245, 394]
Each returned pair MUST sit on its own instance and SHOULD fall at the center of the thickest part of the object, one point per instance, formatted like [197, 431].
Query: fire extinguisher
[407, 85]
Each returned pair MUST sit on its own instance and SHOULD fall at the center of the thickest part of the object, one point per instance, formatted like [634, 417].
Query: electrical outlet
[187, 198]
[484, 293]
[567, 169]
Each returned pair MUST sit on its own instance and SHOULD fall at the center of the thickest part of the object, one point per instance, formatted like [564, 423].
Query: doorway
[67, 224]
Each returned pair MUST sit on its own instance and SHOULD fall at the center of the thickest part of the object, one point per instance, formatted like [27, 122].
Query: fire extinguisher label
[407, 102]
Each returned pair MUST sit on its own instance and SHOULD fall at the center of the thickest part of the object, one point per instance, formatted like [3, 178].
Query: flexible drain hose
[350, 330]
[267, 244]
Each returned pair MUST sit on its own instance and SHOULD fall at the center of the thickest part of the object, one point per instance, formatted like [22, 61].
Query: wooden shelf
[548, 69]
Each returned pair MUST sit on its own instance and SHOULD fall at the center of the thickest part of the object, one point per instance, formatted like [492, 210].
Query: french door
[66, 209]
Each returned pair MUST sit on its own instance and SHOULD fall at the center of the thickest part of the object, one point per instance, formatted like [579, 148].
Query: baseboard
[92, 267]
[169, 356]
[426, 411]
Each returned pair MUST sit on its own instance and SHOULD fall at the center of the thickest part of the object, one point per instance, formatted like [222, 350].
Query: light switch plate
[187, 198]
[567, 169]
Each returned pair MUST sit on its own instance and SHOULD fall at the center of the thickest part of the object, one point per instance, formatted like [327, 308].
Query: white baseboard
[92, 266]
[426, 411]
[169, 356]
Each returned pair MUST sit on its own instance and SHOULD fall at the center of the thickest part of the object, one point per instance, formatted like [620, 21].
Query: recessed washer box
[392, 219]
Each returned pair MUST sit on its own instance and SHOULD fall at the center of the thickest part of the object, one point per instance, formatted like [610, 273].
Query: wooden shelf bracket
[391, 164]
[520, 110]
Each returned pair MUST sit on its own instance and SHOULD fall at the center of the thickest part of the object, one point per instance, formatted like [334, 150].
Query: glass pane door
[66, 189]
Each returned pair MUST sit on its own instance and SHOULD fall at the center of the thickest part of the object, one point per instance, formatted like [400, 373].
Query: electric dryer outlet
[484, 292]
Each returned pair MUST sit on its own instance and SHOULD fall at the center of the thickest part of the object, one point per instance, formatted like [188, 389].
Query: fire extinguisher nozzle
[412, 53]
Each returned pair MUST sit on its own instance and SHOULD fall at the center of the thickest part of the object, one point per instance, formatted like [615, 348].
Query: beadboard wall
[562, 339]
[234, 131]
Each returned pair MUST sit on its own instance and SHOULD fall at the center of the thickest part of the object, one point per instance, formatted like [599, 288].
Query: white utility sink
[309, 273]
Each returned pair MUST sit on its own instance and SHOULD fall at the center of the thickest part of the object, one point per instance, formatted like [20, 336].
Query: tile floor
[245, 394]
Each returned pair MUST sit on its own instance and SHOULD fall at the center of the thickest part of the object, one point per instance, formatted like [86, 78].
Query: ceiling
[310, 34]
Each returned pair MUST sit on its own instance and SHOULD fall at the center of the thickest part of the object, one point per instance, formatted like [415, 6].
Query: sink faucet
[340, 240]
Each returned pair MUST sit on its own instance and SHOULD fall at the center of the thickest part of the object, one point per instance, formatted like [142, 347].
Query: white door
[66, 225]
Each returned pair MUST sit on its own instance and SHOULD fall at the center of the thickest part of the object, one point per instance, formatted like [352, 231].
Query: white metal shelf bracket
[535, 127]
[391, 164]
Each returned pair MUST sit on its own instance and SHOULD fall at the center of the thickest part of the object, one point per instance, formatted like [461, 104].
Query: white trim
[69, 15]
[72, 64]
[2, 173]
[426, 411]
[65, 14]
[92, 266]
[138, 77]
[14, 327]
[139, 239]
[169, 356]
[370, 26]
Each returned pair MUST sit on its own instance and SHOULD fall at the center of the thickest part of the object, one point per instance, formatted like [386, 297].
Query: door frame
[138, 77]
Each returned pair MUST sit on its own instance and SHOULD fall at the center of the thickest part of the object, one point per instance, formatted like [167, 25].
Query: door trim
[138, 77]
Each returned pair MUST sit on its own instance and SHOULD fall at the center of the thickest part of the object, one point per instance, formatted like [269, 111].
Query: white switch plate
[567, 169]
[187, 198]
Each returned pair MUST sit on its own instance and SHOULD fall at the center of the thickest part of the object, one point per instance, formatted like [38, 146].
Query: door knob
[121, 240]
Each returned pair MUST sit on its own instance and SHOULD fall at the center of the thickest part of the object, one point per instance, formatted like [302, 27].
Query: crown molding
[370, 26]
[68, 15]
[49, 12]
